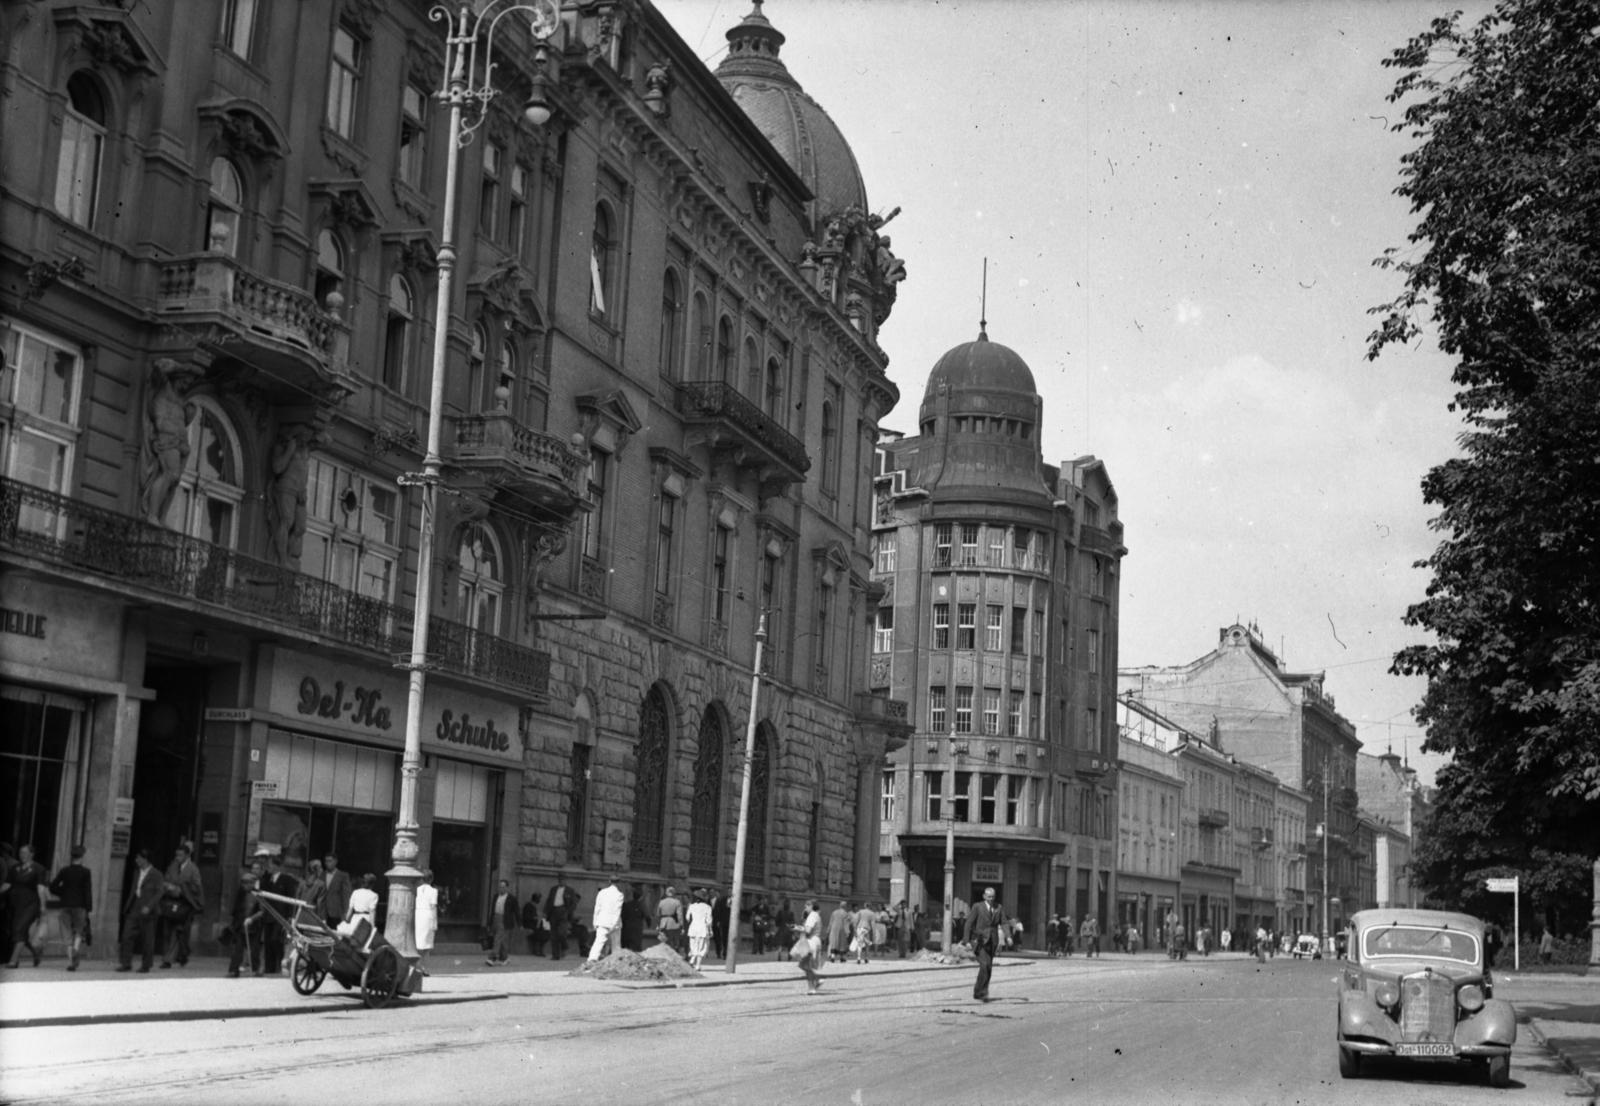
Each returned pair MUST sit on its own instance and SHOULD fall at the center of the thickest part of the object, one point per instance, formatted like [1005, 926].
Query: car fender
[1359, 1016]
[1495, 1024]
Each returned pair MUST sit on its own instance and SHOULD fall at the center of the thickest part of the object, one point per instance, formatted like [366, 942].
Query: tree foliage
[1503, 271]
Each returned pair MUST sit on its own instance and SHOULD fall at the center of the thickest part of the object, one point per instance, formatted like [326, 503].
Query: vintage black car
[1415, 986]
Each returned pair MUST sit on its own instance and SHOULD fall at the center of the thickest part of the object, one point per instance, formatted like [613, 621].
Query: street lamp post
[469, 27]
[731, 964]
[949, 883]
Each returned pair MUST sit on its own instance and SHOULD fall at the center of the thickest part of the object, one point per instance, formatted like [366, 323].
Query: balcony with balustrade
[890, 716]
[276, 327]
[734, 428]
[154, 565]
[540, 469]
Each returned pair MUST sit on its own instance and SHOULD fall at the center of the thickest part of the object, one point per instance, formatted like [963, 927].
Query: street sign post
[1510, 885]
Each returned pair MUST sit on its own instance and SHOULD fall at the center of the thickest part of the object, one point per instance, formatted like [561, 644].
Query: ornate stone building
[662, 394]
[998, 623]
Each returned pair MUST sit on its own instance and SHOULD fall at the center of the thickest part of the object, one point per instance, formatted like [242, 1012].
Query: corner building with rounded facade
[998, 626]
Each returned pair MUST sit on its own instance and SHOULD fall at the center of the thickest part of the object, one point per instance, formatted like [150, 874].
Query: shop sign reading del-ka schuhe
[312, 693]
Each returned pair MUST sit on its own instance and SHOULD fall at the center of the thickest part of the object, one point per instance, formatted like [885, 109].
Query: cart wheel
[304, 974]
[380, 979]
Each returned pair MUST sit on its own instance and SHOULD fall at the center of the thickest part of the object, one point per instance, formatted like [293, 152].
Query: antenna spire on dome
[983, 311]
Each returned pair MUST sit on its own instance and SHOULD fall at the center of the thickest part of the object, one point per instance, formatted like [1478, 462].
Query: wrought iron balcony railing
[63, 531]
[701, 400]
[1217, 819]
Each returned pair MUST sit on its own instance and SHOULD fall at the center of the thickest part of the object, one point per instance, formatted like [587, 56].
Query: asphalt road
[1150, 1031]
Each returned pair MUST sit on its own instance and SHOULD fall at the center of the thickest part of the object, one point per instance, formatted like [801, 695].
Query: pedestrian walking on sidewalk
[838, 932]
[783, 929]
[427, 917]
[315, 887]
[140, 917]
[808, 949]
[336, 899]
[243, 920]
[608, 905]
[902, 928]
[560, 908]
[503, 916]
[1547, 947]
[278, 882]
[983, 937]
[72, 889]
[182, 897]
[720, 909]
[1069, 936]
[634, 918]
[669, 920]
[699, 929]
[25, 892]
[1089, 931]
[866, 925]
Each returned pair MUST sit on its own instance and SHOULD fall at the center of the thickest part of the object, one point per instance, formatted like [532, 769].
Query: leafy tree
[1503, 271]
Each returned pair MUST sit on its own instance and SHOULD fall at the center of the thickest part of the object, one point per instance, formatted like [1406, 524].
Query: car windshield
[1445, 944]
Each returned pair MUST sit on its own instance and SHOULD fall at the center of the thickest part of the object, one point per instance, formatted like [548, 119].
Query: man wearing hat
[669, 921]
[71, 887]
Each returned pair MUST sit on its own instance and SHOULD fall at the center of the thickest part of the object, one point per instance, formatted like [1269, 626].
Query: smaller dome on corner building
[994, 375]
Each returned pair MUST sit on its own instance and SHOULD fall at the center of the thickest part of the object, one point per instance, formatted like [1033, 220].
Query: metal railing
[715, 400]
[66, 532]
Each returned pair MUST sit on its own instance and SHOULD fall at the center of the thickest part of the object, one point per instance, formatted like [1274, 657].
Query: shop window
[481, 587]
[671, 312]
[39, 384]
[330, 271]
[883, 631]
[412, 163]
[489, 190]
[650, 782]
[705, 806]
[517, 211]
[222, 212]
[83, 137]
[239, 26]
[602, 260]
[39, 752]
[344, 83]
[936, 709]
[333, 798]
[578, 779]
[755, 841]
[210, 490]
[397, 334]
[352, 530]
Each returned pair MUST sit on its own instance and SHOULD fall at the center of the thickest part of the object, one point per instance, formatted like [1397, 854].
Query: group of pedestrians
[862, 932]
[24, 885]
[1062, 938]
[342, 903]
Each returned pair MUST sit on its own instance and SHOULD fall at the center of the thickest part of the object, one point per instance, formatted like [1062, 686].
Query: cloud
[1187, 312]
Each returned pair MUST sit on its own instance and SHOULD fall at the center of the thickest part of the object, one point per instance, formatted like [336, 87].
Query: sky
[1180, 204]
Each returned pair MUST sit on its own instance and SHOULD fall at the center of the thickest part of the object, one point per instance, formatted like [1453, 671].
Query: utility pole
[949, 880]
[732, 963]
[1326, 830]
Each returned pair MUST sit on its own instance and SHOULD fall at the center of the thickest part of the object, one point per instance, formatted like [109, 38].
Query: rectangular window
[1014, 716]
[1093, 649]
[991, 710]
[961, 797]
[1016, 801]
[594, 519]
[941, 545]
[934, 782]
[39, 384]
[988, 790]
[239, 26]
[969, 543]
[1036, 716]
[413, 162]
[1091, 728]
[997, 546]
[936, 721]
[1038, 632]
[994, 627]
[343, 83]
[1023, 546]
[966, 626]
[516, 222]
[886, 548]
[883, 632]
[719, 575]
[664, 525]
[963, 710]
[886, 796]
[1019, 629]
[941, 625]
[78, 172]
[1097, 577]
[352, 529]
[489, 191]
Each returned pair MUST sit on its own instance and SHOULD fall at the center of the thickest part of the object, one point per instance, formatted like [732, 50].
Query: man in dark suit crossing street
[983, 937]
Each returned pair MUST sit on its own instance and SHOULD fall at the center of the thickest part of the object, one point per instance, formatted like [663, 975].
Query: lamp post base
[400, 927]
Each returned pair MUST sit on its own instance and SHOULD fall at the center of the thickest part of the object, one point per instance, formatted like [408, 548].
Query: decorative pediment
[350, 203]
[111, 37]
[508, 290]
[832, 561]
[247, 128]
[607, 419]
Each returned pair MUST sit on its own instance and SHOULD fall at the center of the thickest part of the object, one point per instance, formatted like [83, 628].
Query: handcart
[360, 959]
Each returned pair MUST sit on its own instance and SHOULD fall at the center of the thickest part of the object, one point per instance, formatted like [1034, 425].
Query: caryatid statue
[291, 465]
[166, 440]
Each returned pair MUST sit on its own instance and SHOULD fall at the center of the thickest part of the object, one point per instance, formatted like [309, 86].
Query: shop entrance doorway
[168, 763]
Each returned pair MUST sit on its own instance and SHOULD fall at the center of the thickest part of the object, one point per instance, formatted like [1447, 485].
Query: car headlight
[1387, 994]
[1470, 997]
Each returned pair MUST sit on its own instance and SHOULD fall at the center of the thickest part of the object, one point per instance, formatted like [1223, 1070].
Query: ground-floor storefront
[1291, 910]
[1019, 872]
[1143, 904]
[1205, 899]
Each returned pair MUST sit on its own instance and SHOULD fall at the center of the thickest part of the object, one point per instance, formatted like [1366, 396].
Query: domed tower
[848, 259]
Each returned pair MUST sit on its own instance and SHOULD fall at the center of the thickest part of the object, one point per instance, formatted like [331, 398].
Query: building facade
[1284, 722]
[662, 390]
[1148, 856]
[998, 625]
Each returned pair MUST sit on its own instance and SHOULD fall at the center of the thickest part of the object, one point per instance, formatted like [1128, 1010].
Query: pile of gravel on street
[657, 963]
[958, 955]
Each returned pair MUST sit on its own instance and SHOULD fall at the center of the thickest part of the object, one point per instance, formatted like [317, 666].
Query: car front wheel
[1349, 1063]
[1499, 1071]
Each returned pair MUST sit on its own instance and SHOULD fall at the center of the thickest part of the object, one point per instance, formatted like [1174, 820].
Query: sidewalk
[1562, 1012]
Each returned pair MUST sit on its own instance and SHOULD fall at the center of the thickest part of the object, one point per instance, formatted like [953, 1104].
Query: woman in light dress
[427, 917]
[811, 931]
[699, 928]
[363, 904]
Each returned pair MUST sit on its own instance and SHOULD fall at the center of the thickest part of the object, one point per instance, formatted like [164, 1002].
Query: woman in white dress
[427, 916]
[811, 933]
[699, 928]
[363, 904]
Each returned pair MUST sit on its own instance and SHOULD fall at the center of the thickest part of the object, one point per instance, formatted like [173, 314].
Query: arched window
[701, 333]
[481, 588]
[209, 492]
[671, 306]
[752, 371]
[705, 812]
[330, 271]
[650, 782]
[755, 841]
[222, 213]
[476, 372]
[397, 334]
[600, 260]
[83, 136]
[505, 375]
[725, 366]
[775, 390]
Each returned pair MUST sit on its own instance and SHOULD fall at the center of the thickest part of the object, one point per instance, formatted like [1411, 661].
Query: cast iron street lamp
[468, 88]
[731, 965]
